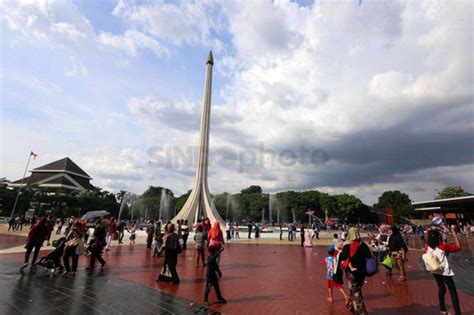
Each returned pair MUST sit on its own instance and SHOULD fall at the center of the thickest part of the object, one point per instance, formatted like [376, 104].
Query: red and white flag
[34, 155]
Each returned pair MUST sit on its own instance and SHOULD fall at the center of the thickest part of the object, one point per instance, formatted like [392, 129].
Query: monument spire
[199, 203]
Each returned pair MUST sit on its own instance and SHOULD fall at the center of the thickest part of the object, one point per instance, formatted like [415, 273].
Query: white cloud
[130, 42]
[187, 22]
[339, 76]
[68, 30]
[55, 21]
[77, 69]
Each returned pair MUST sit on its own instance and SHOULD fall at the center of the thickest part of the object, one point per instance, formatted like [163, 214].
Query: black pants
[185, 240]
[96, 254]
[212, 282]
[302, 240]
[171, 260]
[120, 237]
[443, 282]
[29, 248]
[70, 252]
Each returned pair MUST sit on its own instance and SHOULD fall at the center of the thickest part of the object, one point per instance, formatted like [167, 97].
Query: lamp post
[21, 184]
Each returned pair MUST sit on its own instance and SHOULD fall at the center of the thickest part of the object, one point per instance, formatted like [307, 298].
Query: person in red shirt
[36, 237]
[111, 231]
[444, 275]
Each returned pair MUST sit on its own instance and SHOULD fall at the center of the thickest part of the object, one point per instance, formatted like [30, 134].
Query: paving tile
[258, 279]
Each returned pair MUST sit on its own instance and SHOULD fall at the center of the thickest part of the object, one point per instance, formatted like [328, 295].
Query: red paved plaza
[277, 279]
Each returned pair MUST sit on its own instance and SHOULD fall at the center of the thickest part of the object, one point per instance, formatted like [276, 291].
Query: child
[132, 234]
[335, 240]
[200, 240]
[331, 263]
[212, 272]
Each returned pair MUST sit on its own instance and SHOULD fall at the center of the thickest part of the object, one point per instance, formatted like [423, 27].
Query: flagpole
[21, 185]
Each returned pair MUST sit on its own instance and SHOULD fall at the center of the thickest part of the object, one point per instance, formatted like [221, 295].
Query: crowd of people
[355, 258]
[348, 255]
[167, 240]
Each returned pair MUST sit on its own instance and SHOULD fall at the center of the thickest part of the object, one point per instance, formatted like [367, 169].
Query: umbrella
[95, 214]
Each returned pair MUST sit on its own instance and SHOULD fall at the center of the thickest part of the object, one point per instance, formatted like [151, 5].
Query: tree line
[250, 204]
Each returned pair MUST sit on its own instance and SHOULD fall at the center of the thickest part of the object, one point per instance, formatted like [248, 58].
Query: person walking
[185, 232]
[98, 244]
[111, 232]
[35, 240]
[171, 248]
[249, 226]
[60, 226]
[132, 232]
[21, 220]
[150, 233]
[227, 231]
[158, 239]
[74, 248]
[302, 235]
[200, 241]
[11, 224]
[213, 273]
[50, 225]
[397, 250]
[353, 259]
[330, 262]
[382, 241]
[308, 239]
[237, 233]
[121, 231]
[444, 274]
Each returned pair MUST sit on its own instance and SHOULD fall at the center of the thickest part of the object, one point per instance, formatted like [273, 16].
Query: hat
[331, 250]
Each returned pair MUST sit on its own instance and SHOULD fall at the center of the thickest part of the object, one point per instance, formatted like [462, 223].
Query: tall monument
[199, 203]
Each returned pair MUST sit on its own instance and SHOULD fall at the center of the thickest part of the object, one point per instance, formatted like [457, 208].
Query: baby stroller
[53, 259]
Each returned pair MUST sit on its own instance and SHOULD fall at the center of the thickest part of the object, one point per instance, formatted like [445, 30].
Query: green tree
[181, 200]
[349, 208]
[399, 202]
[254, 189]
[451, 192]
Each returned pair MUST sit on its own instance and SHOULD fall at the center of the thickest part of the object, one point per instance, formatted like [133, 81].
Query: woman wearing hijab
[353, 260]
[215, 236]
[171, 248]
[398, 251]
[74, 248]
[36, 237]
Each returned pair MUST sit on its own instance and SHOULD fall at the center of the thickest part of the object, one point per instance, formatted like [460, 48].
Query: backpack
[431, 261]
[371, 266]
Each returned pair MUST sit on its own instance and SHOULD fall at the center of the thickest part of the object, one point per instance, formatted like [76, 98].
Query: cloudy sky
[341, 96]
